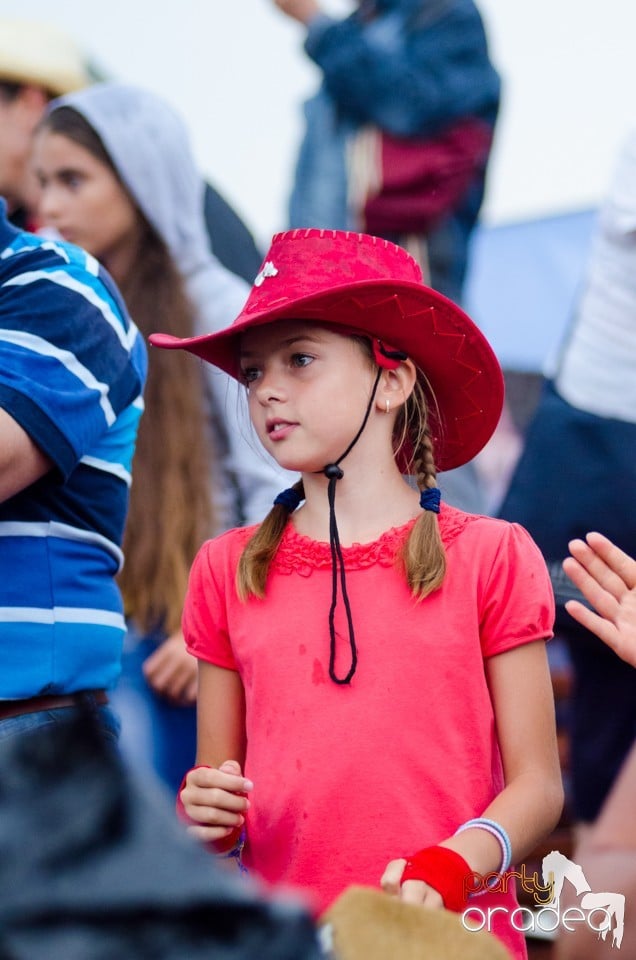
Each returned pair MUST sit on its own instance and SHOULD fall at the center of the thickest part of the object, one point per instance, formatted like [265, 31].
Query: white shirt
[598, 365]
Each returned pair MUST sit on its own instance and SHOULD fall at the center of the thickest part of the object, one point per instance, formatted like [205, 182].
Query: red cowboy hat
[372, 286]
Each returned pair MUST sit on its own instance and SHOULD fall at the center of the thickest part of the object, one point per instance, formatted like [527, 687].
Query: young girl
[374, 702]
[118, 177]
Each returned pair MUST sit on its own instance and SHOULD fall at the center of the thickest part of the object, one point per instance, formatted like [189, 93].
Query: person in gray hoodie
[118, 177]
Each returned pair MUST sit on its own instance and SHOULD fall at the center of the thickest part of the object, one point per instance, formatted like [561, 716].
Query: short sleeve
[70, 359]
[517, 600]
[205, 613]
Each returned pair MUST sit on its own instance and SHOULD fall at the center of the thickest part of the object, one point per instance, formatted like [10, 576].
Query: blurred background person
[578, 471]
[415, 69]
[39, 62]
[117, 176]
[397, 141]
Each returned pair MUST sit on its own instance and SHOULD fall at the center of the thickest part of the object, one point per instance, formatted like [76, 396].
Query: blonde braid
[423, 554]
[254, 563]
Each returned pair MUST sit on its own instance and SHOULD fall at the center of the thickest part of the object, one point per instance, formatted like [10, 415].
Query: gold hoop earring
[388, 407]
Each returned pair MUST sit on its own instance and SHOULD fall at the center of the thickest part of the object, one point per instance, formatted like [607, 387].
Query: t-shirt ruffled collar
[302, 555]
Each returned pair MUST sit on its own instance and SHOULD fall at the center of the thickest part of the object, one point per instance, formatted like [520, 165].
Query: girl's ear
[395, 386]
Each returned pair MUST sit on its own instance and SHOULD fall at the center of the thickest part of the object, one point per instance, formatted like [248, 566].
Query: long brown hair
[423, 556]
[170, 511]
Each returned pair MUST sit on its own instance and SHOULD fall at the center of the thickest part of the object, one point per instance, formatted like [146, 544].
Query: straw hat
[37, 53]
[374, 287]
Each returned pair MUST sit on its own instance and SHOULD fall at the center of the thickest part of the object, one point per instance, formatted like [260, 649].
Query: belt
[16, 708]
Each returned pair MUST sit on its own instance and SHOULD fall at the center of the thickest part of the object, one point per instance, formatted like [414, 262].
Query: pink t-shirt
[347, 778]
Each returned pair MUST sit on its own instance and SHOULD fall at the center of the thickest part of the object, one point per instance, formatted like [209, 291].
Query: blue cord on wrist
[235, 852]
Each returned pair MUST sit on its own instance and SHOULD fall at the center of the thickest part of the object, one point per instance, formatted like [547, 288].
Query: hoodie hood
[150, 148]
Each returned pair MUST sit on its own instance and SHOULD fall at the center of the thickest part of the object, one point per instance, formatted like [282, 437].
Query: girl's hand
[412, 891]
[172, 672]
[606, 576]
[216, 799]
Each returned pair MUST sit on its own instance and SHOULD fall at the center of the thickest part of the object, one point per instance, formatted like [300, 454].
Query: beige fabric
[363, 158]
[366, 924]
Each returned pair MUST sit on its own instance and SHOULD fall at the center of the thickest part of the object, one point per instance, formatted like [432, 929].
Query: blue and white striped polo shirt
[72, 369]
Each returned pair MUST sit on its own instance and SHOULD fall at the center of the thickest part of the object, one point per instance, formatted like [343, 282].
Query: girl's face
[308, 388]
[84, 201]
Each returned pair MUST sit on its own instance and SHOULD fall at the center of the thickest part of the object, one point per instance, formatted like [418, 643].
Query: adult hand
[412, 891]
[301, 10]
[172, 672]
[216, 799]
[606, 576]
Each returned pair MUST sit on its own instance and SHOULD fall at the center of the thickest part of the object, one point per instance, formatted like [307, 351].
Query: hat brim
[460, 367]
[38, 53]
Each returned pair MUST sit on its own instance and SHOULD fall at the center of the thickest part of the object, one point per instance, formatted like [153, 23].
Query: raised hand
[606, 576]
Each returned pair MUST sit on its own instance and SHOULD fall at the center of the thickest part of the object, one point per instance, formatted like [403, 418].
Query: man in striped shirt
[72, 370]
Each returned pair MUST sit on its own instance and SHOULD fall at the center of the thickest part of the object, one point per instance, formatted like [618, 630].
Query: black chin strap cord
[334, 473]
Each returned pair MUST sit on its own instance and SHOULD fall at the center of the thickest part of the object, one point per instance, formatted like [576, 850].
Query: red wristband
[444, 870]
[181, 810]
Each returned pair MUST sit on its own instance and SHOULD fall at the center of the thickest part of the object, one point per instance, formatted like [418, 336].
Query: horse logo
[556, 869]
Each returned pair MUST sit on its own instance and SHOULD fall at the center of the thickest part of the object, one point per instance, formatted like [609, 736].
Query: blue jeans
[14, 726]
